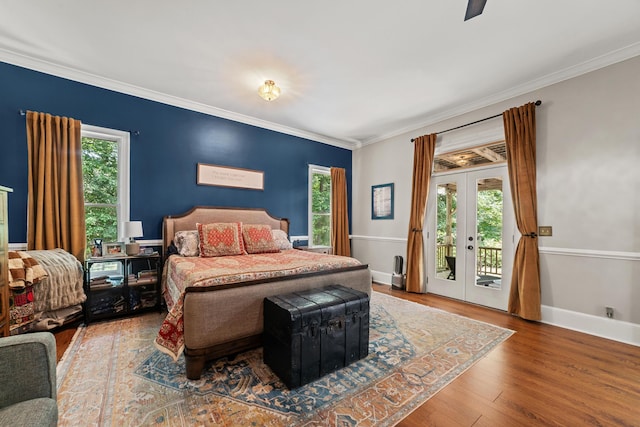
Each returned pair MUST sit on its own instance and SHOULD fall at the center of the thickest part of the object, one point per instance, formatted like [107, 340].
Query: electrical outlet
[609, 311]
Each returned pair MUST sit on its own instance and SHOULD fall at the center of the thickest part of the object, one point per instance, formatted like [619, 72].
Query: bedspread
[184, 272]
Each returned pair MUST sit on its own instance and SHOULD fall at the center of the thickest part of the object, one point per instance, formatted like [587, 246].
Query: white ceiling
[352, 72]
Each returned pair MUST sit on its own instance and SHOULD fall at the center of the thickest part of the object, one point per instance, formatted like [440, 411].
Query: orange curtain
[55, 212]
[423, 150]
[520, 135]
[339, 213]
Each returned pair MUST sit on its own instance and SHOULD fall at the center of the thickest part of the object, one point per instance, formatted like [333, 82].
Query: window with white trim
[319, 206]
[105, 170]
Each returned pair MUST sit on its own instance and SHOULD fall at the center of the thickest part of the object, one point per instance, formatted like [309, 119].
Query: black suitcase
[310, 334]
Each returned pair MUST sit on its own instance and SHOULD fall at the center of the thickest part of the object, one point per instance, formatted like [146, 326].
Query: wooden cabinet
[4, 263]
[119, 285]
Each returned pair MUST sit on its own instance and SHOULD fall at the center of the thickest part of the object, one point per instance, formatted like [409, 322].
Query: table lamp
[132, 229]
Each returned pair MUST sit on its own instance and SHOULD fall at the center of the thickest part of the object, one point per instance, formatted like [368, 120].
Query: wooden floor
[542, 375]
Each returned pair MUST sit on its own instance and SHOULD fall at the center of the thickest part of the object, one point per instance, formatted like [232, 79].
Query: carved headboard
[208, 214]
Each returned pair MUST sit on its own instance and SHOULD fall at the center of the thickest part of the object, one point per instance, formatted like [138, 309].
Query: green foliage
[100, 176]
[321, 209]
[489, 222]
[490, 218]
[100, 171]
[442, 214]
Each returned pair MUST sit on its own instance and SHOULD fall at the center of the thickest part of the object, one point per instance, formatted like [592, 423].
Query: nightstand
[121, 284]
[318, 249]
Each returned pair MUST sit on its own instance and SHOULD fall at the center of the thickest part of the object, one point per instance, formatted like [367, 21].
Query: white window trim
[123, 139]
[313, 169]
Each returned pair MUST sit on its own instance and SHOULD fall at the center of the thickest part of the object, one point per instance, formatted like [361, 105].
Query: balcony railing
[489, 260]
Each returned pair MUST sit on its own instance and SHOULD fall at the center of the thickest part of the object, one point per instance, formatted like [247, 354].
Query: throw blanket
[183, 272]
[45, 289]
[64, 285]
[24, 270]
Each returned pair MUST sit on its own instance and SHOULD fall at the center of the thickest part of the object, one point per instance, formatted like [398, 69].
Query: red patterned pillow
[221, 239]
[258, 239]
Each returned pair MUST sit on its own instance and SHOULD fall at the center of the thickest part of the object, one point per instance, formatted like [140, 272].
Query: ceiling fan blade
[474, 8]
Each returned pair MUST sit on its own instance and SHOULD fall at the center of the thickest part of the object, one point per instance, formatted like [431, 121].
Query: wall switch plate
[545, 230]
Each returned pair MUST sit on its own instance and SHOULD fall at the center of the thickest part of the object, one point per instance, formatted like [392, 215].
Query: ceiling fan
[474, 8]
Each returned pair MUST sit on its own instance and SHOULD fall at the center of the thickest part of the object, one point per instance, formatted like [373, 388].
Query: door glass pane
[446, 218]
[489, 232]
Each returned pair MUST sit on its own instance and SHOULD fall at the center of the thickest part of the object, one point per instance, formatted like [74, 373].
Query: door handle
[470, 247]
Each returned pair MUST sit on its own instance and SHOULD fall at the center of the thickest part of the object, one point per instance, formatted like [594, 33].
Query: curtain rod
[538, 102]
[135, 132]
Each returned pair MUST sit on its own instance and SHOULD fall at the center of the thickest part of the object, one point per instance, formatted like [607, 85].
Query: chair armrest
[28, 366]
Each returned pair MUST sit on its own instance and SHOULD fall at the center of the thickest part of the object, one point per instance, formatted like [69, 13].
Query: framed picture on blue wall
[382, 201]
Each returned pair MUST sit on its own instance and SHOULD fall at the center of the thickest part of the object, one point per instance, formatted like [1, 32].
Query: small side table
[318, 249]
[121, 285]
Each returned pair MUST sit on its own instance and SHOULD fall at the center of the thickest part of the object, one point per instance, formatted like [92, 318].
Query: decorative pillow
[258, 239]
[187, 243]
[221, 239]
[281, 239]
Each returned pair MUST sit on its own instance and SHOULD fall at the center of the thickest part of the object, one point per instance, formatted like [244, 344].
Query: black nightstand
[121, 285]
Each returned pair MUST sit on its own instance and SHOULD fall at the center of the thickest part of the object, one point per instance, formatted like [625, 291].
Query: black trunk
[310, 334]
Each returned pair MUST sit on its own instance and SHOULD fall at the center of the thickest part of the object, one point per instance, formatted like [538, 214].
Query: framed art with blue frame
[382, 201]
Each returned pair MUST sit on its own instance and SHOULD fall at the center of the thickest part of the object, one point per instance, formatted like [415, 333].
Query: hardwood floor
[542, 375]
[63, 339]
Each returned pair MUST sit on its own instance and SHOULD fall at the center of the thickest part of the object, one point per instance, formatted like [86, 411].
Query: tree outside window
[100, 174]
[320, 207]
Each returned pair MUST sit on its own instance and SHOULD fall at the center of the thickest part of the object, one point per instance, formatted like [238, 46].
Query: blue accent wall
[164, 155]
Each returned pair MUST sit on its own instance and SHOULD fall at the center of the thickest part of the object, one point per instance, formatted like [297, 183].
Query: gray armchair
[28, 380]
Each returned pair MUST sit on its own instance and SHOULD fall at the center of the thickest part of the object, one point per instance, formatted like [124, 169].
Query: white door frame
[464, 286]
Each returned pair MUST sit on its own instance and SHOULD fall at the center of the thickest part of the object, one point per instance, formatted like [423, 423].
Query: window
[105, 170]
[319, 206]
[482, 155]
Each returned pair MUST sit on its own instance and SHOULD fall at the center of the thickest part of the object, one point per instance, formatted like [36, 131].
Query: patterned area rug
[112, 375]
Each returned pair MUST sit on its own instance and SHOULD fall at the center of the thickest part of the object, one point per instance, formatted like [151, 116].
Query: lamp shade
[132, 229]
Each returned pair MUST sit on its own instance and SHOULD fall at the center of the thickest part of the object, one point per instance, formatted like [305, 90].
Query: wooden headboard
[208, 214]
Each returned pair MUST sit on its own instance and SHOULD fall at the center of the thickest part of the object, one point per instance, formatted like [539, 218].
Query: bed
[45, 290]
[215, 303]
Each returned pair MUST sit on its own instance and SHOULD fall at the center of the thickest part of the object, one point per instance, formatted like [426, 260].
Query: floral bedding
[184, 272]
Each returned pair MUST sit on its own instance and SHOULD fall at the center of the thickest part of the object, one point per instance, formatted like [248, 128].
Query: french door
[470, 236]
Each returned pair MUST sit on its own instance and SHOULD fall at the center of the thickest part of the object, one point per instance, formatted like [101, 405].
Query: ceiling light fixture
[269, 91]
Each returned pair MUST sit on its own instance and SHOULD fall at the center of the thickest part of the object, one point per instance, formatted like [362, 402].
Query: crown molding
[140, 92]
[594, 64]
[43, 66]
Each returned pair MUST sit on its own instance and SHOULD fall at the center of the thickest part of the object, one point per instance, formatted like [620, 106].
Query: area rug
[112, 375]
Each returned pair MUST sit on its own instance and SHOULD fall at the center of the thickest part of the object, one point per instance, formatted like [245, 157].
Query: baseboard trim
[381, 277]
[617, 330]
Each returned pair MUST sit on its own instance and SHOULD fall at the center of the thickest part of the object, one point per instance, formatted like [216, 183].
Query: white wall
[588, 148]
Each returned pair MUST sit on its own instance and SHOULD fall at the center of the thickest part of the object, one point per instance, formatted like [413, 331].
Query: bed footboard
[229, 321]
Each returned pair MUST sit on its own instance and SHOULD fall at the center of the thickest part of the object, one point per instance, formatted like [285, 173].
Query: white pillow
[281, 239]
[187, 242]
